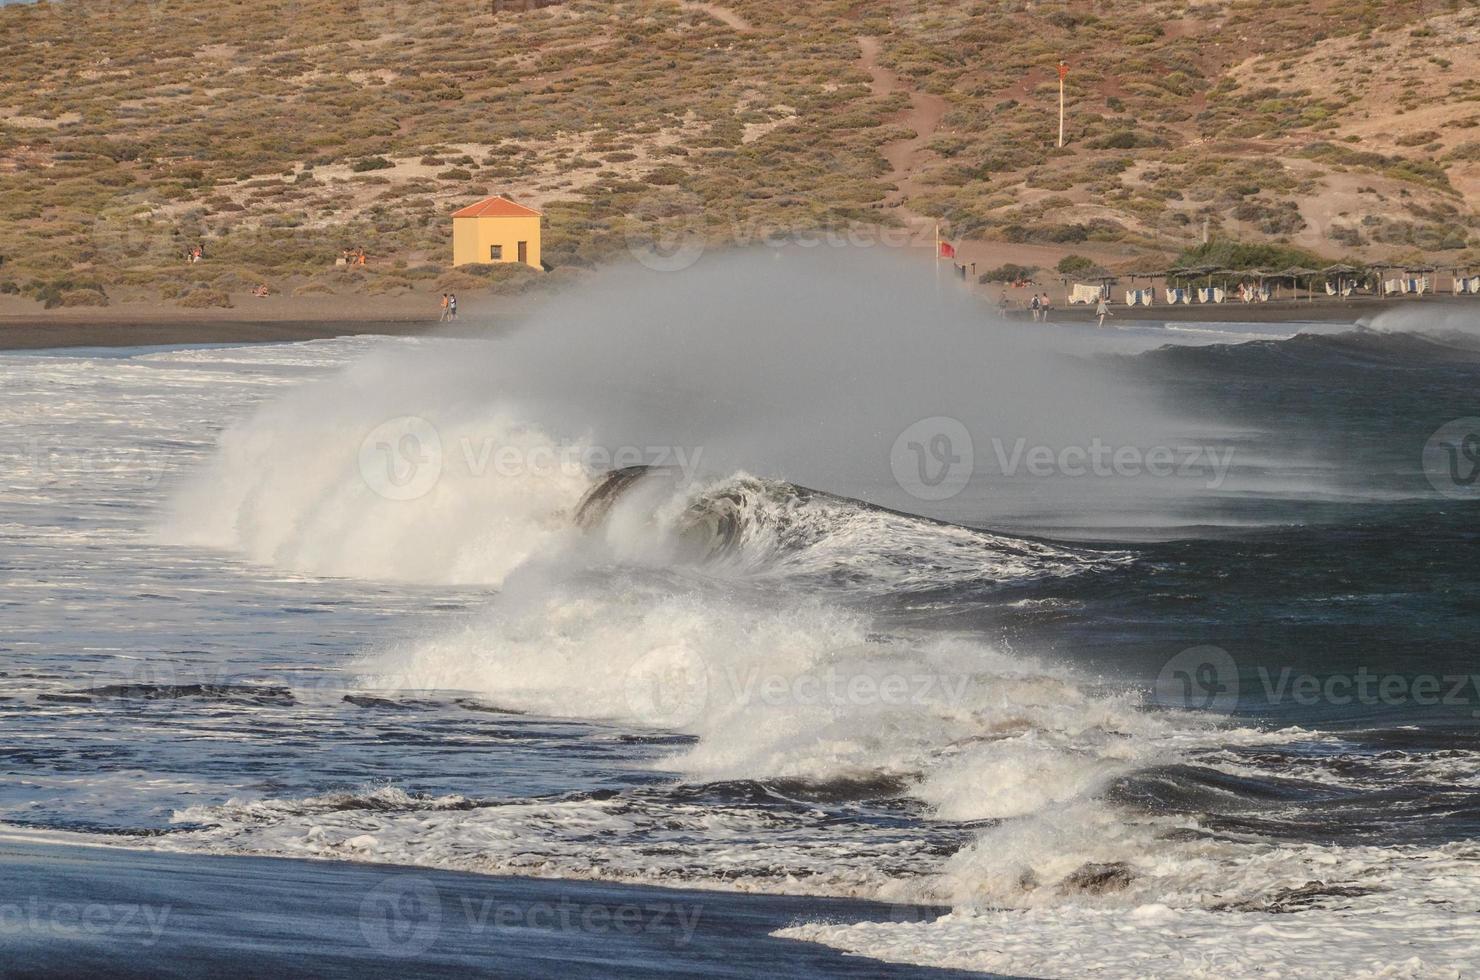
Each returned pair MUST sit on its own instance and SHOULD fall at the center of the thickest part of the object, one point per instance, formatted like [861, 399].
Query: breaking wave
[305, 504]
[769, 530]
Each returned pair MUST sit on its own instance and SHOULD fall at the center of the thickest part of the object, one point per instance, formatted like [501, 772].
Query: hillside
[279, 133]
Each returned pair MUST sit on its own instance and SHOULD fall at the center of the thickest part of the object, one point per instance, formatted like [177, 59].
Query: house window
[495, 253]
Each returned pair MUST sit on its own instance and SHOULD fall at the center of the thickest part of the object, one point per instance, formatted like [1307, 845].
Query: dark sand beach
[99, 329]
[41, 334]
[1321, 310]
[72, 911]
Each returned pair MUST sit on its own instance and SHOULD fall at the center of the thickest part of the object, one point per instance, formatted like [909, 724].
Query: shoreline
[47, 334]
[76, 909]
[278, 319]
[163, 329]
[1275, 311]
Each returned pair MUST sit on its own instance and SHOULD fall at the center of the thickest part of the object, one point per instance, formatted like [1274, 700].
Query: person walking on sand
[1035, 306]
[1102, 310]
[452, 306]
[1047, 306]
[446, 310]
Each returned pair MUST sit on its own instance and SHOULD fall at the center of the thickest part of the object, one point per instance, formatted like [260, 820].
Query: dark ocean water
[1353, 613]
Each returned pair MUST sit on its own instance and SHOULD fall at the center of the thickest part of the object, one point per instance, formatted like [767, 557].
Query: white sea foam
[1414, 929]
[289, 490]
[633, 837]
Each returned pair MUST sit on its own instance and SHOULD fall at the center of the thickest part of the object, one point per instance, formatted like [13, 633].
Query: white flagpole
[1062, 72]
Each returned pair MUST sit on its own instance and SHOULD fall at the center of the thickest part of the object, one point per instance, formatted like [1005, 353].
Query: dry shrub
[83, 297]
[202, 298]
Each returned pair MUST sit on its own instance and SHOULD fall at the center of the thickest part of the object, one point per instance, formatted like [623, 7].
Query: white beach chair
[1085, 294]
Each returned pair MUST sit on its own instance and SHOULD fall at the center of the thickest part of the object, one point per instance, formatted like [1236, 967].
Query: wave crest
[773, 530]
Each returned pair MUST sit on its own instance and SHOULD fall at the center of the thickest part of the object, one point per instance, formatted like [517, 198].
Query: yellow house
[496, 230]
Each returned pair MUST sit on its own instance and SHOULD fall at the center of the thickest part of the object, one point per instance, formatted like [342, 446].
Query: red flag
[947, 250]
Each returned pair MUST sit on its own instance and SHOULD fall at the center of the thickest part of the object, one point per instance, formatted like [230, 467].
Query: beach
[70, 910]
[154, 325]
[103, 332]
[24, 325]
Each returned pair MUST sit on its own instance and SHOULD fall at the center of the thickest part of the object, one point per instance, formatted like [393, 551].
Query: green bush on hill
[1074, 265]
[1009, 273]
[1249, 255]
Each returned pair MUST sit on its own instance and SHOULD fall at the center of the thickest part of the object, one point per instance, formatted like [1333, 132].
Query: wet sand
[70, 911]
[40, 334]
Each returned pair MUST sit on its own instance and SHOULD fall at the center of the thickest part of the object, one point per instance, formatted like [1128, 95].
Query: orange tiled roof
[496, 207]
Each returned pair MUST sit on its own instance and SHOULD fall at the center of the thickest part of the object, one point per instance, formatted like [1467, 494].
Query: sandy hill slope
[278, 133]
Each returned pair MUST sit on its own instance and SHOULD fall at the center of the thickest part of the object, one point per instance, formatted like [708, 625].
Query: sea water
[1203, 707]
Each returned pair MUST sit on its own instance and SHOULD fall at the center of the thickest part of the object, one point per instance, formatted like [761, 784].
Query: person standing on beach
[452, 306]
[446, 310]
[1102, 310]
[1036, 306]
[1047, 305]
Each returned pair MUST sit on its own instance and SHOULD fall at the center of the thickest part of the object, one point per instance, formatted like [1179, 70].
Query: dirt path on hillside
[905, 156]
[722, 14]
